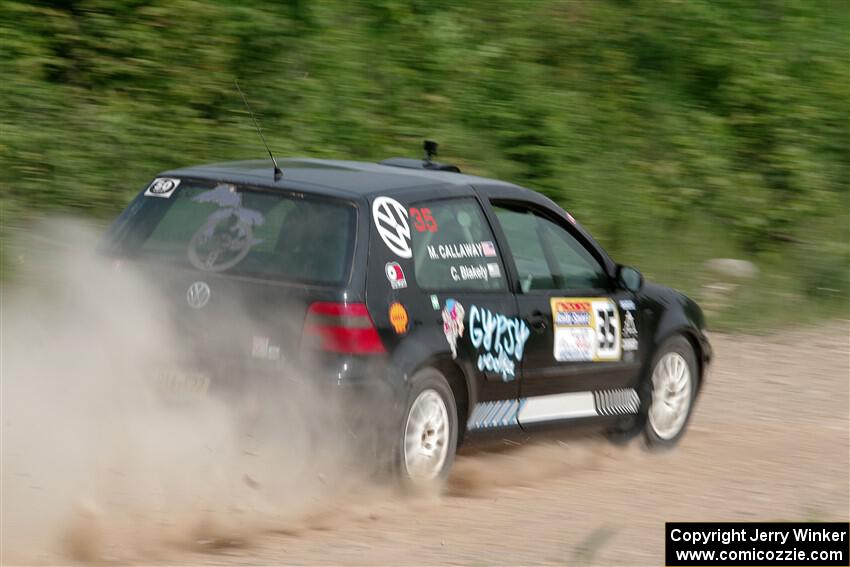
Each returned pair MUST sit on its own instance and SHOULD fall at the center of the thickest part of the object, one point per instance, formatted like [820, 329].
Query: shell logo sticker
[399, 318]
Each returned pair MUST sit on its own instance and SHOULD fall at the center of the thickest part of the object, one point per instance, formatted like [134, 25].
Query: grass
[794, 285]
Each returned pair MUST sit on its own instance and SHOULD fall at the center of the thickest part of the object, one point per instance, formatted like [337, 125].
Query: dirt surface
[769, 441]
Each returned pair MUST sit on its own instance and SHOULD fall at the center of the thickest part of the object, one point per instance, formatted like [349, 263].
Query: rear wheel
[426, 449]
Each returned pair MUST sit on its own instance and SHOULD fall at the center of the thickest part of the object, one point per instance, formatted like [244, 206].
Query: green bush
[824, 269]
[643, 118]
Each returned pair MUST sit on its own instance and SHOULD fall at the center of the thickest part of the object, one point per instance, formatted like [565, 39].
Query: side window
[577, 268]
[546, 255]
[453, 247]
[521, 230]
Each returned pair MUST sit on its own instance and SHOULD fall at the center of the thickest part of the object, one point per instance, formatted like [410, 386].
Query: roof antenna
[430, 151]
[277, 172]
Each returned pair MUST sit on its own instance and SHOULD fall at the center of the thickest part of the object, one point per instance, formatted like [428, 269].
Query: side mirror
[629, 278]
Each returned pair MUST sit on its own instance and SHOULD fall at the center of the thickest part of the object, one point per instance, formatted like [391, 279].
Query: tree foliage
[640, 116]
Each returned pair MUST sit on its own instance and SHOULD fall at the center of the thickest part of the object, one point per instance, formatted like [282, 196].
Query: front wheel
[673, 386]
[429, 430]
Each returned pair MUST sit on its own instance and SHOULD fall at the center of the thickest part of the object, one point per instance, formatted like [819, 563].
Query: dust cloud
[97, 465]
[516, 465]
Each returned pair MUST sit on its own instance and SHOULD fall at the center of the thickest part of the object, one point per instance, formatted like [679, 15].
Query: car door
[583, 327]
[452, 282]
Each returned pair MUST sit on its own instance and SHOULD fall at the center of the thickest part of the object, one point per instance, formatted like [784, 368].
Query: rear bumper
[329, 375]
[348, 402]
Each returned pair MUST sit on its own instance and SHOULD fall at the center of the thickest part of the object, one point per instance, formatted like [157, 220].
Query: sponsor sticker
[162, 187]
[572, 313]
[470, 272]
[574, 344]
[586, 329]
[391, 222]
[457, 251]
[493, 270]
[627, 304]
[488, 248]
[452, 314]
[175, 382]
[629, 329]
[630, 332]
[395, 275]
[435, 303]
[260, 348]
[274, 352]
[399, 318]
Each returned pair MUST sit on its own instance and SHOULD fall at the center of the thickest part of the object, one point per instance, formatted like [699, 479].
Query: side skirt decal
[510, 413]
[558, 406]
[616, 402]
[487, 415]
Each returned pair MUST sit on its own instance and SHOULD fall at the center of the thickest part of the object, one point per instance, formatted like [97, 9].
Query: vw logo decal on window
[391, 221]
[198, 295]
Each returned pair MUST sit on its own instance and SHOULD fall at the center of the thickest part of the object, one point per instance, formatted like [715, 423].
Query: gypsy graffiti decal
[500, 341]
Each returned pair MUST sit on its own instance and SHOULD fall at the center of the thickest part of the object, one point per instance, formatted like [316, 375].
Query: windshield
[221, 227]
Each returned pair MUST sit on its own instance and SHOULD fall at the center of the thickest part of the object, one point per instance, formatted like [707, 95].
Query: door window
[453, 247]
[547, 257]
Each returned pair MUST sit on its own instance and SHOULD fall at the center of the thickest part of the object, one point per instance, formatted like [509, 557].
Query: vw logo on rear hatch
[198, 295]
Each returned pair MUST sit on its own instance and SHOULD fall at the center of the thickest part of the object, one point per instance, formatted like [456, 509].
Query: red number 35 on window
[422, 220]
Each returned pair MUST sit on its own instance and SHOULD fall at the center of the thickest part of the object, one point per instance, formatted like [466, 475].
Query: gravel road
[769, 441]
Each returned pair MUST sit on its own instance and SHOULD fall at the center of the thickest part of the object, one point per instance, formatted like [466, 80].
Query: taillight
[342, 328]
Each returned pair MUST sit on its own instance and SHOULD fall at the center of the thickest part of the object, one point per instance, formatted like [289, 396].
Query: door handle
[538, 321]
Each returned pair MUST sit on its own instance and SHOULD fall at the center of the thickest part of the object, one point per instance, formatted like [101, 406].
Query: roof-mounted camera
[430, 150]
[427, 162]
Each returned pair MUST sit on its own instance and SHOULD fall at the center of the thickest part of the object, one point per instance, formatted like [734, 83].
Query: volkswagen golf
[468, 306]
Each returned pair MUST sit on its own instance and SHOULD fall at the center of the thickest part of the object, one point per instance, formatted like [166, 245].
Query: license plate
[182, 383]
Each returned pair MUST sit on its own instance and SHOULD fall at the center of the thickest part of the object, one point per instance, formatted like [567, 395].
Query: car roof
[337, 177]
[348, 179]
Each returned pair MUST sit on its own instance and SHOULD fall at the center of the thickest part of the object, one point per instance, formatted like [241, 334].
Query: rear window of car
[222, 227]
[453, 247]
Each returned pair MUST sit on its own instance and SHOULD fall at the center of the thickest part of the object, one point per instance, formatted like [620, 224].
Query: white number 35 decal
[607, 331]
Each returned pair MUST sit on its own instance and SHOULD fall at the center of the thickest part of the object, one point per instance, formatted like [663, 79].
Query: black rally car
[480, 306]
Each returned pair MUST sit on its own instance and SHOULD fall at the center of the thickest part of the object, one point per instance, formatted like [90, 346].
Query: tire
[623, 433]
[427, 435]
[671, 387]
